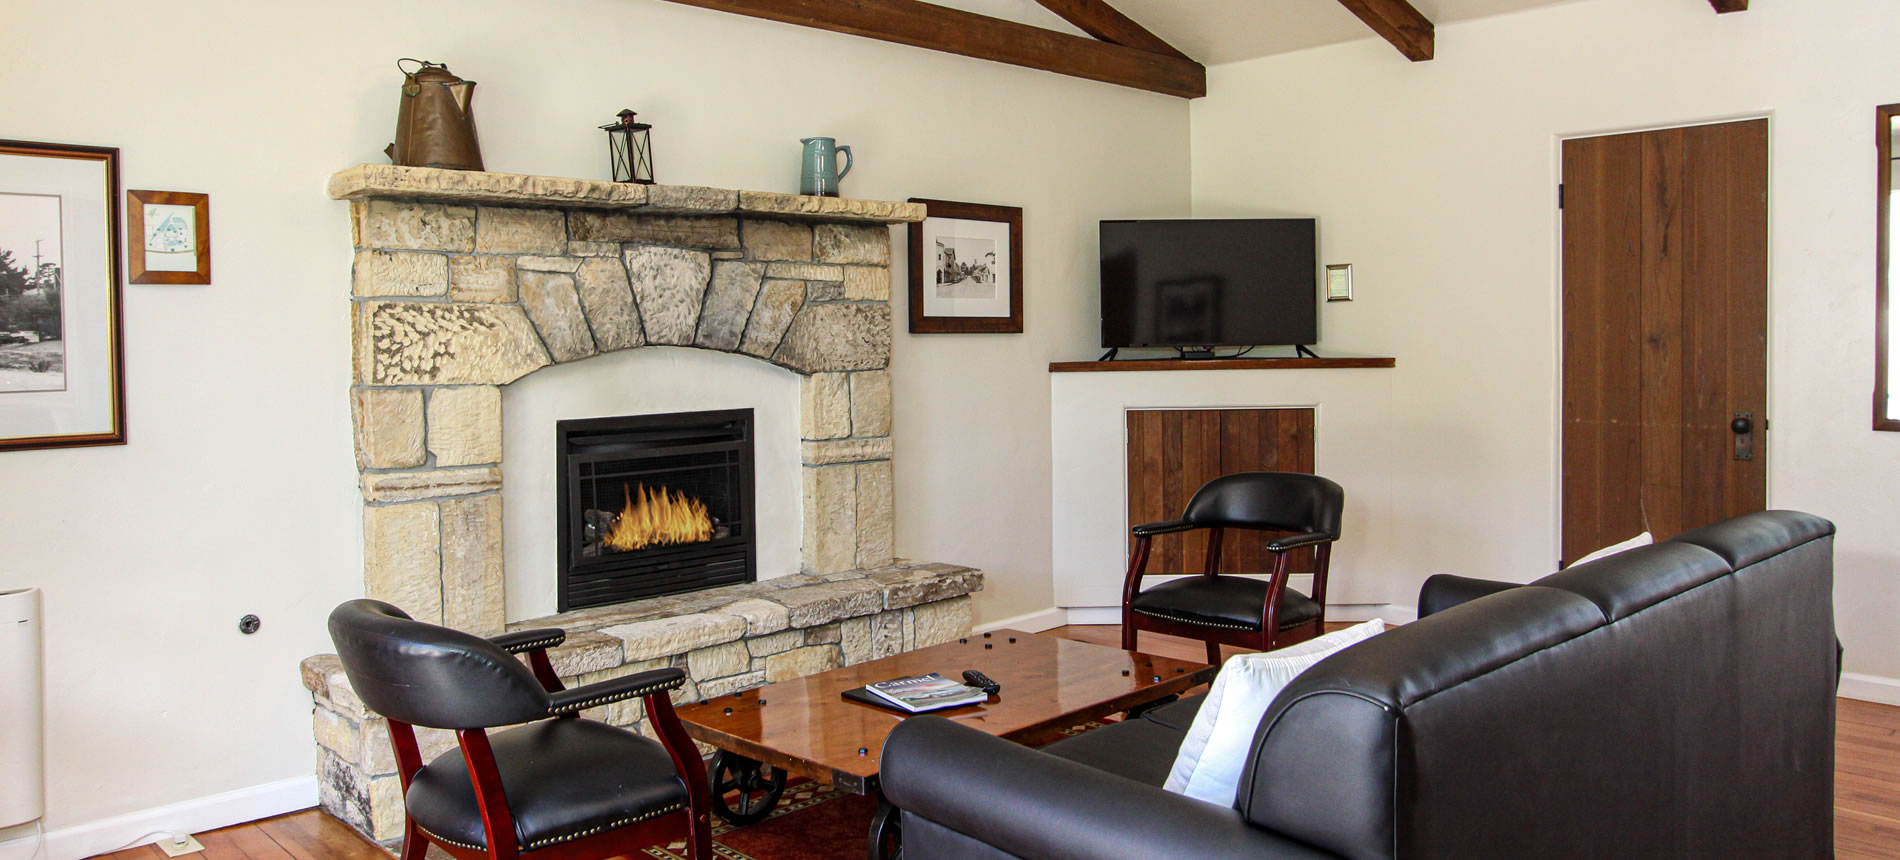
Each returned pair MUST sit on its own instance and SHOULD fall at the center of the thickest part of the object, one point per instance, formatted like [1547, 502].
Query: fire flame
[659, 518]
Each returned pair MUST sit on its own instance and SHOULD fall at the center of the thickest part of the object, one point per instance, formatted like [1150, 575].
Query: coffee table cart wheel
[759, 788]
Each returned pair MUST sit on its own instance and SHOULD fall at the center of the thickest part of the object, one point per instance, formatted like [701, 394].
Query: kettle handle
[846, 152]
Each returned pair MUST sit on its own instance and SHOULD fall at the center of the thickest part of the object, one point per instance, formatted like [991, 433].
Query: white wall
[237, 491]
[1437, 181]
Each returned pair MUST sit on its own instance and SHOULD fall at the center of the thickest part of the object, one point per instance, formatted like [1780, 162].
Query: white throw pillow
[1215, 751]
[1640, 540]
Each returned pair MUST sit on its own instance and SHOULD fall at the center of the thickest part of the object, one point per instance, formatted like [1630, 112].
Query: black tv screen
[1210, 282]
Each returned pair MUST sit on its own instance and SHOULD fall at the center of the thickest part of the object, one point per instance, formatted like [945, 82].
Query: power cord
[178, 839]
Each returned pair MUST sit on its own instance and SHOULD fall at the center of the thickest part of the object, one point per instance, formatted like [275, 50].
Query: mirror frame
[1884, 126]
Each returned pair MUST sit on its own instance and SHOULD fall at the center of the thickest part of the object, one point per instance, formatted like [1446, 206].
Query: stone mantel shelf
[366, 181]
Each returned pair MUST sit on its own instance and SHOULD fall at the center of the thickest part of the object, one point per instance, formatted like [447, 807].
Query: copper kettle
[436, 127]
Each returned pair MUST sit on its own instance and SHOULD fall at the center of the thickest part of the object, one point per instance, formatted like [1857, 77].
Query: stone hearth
[465, 282]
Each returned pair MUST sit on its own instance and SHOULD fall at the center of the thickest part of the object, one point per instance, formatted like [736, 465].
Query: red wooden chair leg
[1213, 652]
[415, 846]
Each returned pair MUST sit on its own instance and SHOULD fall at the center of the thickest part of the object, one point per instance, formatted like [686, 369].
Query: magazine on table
[930, 692]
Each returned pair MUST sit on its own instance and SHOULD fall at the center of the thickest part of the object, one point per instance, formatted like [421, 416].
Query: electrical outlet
[179, 849]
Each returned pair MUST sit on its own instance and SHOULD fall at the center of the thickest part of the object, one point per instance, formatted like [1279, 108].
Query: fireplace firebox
[654, 504]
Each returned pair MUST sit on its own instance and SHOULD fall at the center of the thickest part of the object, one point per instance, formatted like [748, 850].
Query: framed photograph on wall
[170, 233]
[62, 379]
[966, 268]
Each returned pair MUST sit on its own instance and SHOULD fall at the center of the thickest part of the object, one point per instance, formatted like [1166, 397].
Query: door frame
[1556, 452]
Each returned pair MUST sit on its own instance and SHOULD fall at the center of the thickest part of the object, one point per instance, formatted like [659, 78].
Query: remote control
[981, 681]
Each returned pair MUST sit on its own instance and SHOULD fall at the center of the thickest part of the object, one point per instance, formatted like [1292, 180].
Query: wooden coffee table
[805, 727]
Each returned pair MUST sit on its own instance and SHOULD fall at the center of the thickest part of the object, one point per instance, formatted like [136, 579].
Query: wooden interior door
[1172, 452]
[1665, 322]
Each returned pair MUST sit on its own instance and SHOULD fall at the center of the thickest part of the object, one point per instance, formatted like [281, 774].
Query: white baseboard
[191, 816]
[1870, 688]
[1094, 614]
[1032, 622]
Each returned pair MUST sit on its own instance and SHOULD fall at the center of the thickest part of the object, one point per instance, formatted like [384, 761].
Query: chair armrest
[614, 690]
[1162, 528]
[1282, 544]
[1036, 806]
[523, 641]
[1443, 591]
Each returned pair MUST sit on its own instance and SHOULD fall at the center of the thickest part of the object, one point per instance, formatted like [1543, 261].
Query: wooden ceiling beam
[938, 28]
[1722, 6]
[1403, 26]
[1104, 22]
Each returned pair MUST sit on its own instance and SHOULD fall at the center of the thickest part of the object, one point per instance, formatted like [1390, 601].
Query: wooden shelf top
[1218, 364]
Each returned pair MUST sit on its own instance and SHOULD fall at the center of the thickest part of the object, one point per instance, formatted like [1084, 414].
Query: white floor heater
[22, 760]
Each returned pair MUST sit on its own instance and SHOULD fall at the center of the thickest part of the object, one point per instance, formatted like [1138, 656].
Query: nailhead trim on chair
[536, 645]
[609, 826]
[433, 835]
[1195, 621]
[569, 837]
[615, 697]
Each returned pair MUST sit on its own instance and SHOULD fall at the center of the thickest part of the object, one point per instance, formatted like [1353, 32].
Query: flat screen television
[1210, 282]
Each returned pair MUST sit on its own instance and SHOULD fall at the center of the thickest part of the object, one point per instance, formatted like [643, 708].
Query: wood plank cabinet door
[1664, 331]
[1172, 452]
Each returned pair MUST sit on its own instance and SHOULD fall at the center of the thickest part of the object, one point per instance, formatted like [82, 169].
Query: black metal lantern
[630, 149]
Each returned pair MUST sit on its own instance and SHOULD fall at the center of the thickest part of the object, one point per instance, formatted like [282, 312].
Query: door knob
[1744, 429]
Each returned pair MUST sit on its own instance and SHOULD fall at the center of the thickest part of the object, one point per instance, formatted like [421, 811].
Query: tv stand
[1110, 354]
[1299, 349]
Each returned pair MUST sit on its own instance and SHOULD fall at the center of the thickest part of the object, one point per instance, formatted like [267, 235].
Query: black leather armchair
[556, 786]
[1234, 610]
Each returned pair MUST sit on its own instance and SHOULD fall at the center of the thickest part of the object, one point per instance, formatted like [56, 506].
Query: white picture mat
[157, 256]
[85, 407]
[946, 228]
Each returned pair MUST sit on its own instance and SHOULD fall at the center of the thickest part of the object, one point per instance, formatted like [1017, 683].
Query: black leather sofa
[1671, 701]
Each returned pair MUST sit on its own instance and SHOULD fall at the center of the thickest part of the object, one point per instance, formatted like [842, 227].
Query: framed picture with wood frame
[171, 237]
[62, 357]
[966, 268]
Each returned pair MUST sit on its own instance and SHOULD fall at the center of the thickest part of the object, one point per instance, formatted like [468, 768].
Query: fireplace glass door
[653, 505]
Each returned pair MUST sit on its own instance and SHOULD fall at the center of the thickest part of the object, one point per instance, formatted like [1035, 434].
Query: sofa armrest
[1444, 591]
[1036, 806]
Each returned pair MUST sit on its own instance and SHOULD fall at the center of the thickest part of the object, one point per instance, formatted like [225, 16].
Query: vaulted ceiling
[1162, 46]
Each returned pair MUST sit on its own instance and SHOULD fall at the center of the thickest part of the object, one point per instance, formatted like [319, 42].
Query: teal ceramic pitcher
[818, 173]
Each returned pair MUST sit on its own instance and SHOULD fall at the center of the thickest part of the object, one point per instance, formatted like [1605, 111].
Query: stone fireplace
[465, 282]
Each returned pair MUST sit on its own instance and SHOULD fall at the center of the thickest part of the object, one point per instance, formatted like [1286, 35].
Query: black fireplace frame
[656, 571]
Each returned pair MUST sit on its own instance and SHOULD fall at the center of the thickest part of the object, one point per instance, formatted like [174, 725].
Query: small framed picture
[171, 237]
[1339, 282]
[966, 268]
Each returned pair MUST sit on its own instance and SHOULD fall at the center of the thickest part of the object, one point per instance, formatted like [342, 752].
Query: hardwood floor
[1866, 779]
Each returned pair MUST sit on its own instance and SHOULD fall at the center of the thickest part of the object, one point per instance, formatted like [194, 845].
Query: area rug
[811, 822]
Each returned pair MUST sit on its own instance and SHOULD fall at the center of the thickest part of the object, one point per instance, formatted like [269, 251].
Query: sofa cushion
[1215, 751]
[1136, 749]
[1222, 601]
[1176, 715]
